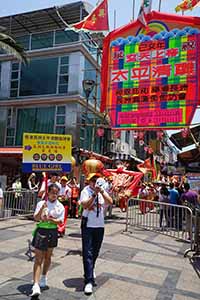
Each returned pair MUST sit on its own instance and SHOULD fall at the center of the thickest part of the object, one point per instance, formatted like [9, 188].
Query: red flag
[97, 20]
[187, 4]
[148, 165]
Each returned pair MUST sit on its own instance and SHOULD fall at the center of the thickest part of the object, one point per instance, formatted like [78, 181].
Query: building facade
[47, 96]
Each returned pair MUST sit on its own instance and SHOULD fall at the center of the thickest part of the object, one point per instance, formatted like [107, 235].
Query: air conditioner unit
[112, 147]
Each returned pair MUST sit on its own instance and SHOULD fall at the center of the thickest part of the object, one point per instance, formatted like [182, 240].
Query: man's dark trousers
[91, 243]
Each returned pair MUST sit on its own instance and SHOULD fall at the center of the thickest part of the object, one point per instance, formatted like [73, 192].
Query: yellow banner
[46, 152]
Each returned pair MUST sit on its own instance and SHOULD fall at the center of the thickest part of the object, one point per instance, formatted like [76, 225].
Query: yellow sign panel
[46, 152]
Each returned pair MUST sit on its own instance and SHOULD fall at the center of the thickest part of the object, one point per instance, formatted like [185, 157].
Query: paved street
[139, 266]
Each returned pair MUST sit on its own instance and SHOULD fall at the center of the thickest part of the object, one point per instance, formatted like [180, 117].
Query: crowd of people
[170, 194]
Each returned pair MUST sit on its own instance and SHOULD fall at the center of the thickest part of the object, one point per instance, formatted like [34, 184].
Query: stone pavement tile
[108, 266]
[26, 228]
[181, 297]
[189, 281]
[145, 274]
[69, 268]
[14, 267]
[136, 241]
[10, 234]
[159, 260]
[116, 290]
[3, 279]
[14, 244]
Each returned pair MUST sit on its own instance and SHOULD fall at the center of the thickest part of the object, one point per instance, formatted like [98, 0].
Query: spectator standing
[174, 200]
[17, 189]
[190, 199]
[74, 197]
[93, 198]
[164, 198]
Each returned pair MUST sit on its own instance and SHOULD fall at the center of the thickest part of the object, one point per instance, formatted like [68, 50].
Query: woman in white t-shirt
[93, 198]
[49, 214]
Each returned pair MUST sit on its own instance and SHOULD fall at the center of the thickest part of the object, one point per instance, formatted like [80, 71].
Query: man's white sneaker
[35, 290]
[43, 281]
[88, 289]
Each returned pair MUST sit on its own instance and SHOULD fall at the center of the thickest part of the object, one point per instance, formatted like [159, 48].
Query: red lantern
[100, 132]
[141, 142]
[135, 135]
[159, 135]
[185, 133]
[92, 165]
[141, 135]
[117, 134]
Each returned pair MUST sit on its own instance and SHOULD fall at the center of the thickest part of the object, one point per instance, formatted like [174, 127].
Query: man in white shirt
[93, 198]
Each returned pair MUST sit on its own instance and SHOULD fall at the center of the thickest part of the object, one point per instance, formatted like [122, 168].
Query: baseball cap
[64, 178]
[91, 175]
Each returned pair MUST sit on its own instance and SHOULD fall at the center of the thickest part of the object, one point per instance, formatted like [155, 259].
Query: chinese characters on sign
[154, 83]
[46, 152]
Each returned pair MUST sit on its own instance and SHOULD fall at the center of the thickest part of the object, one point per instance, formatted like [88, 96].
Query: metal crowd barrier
[17, 203]
[176, 221]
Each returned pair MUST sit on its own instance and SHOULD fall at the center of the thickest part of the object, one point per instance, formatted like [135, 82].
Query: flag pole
[133, 11]
[159, 7]
[115, 18]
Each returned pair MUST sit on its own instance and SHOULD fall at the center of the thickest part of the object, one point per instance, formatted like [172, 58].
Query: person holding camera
[93, 198]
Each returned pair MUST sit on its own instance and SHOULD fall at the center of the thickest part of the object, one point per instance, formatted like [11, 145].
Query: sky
[123, 8]
[124, 12]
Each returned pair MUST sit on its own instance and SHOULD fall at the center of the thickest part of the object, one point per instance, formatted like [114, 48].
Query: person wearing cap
[93, 198]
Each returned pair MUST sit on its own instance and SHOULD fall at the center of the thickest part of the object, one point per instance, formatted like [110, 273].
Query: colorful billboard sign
[46, 152]
[152, 79]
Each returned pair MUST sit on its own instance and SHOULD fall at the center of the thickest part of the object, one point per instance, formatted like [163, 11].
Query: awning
[180, 142]
[10, 151]
[190, 156]
[88, 154]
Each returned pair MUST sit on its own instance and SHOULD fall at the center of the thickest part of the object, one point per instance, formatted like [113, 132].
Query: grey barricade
[176, 221]
[17, 203]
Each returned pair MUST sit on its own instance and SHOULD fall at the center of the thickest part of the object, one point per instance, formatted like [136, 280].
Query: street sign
[46, 152]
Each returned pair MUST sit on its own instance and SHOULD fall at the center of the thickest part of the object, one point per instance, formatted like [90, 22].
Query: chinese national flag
[97, 20]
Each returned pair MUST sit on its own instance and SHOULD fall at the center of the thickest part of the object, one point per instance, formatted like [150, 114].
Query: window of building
[24, 41]
[63, 75]
[39, 77]
[91, 73]
[11, 126]
[15, 76]
[42, 40]
[60, 119]
[63, 37]
[43, 76]
[34, 120]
